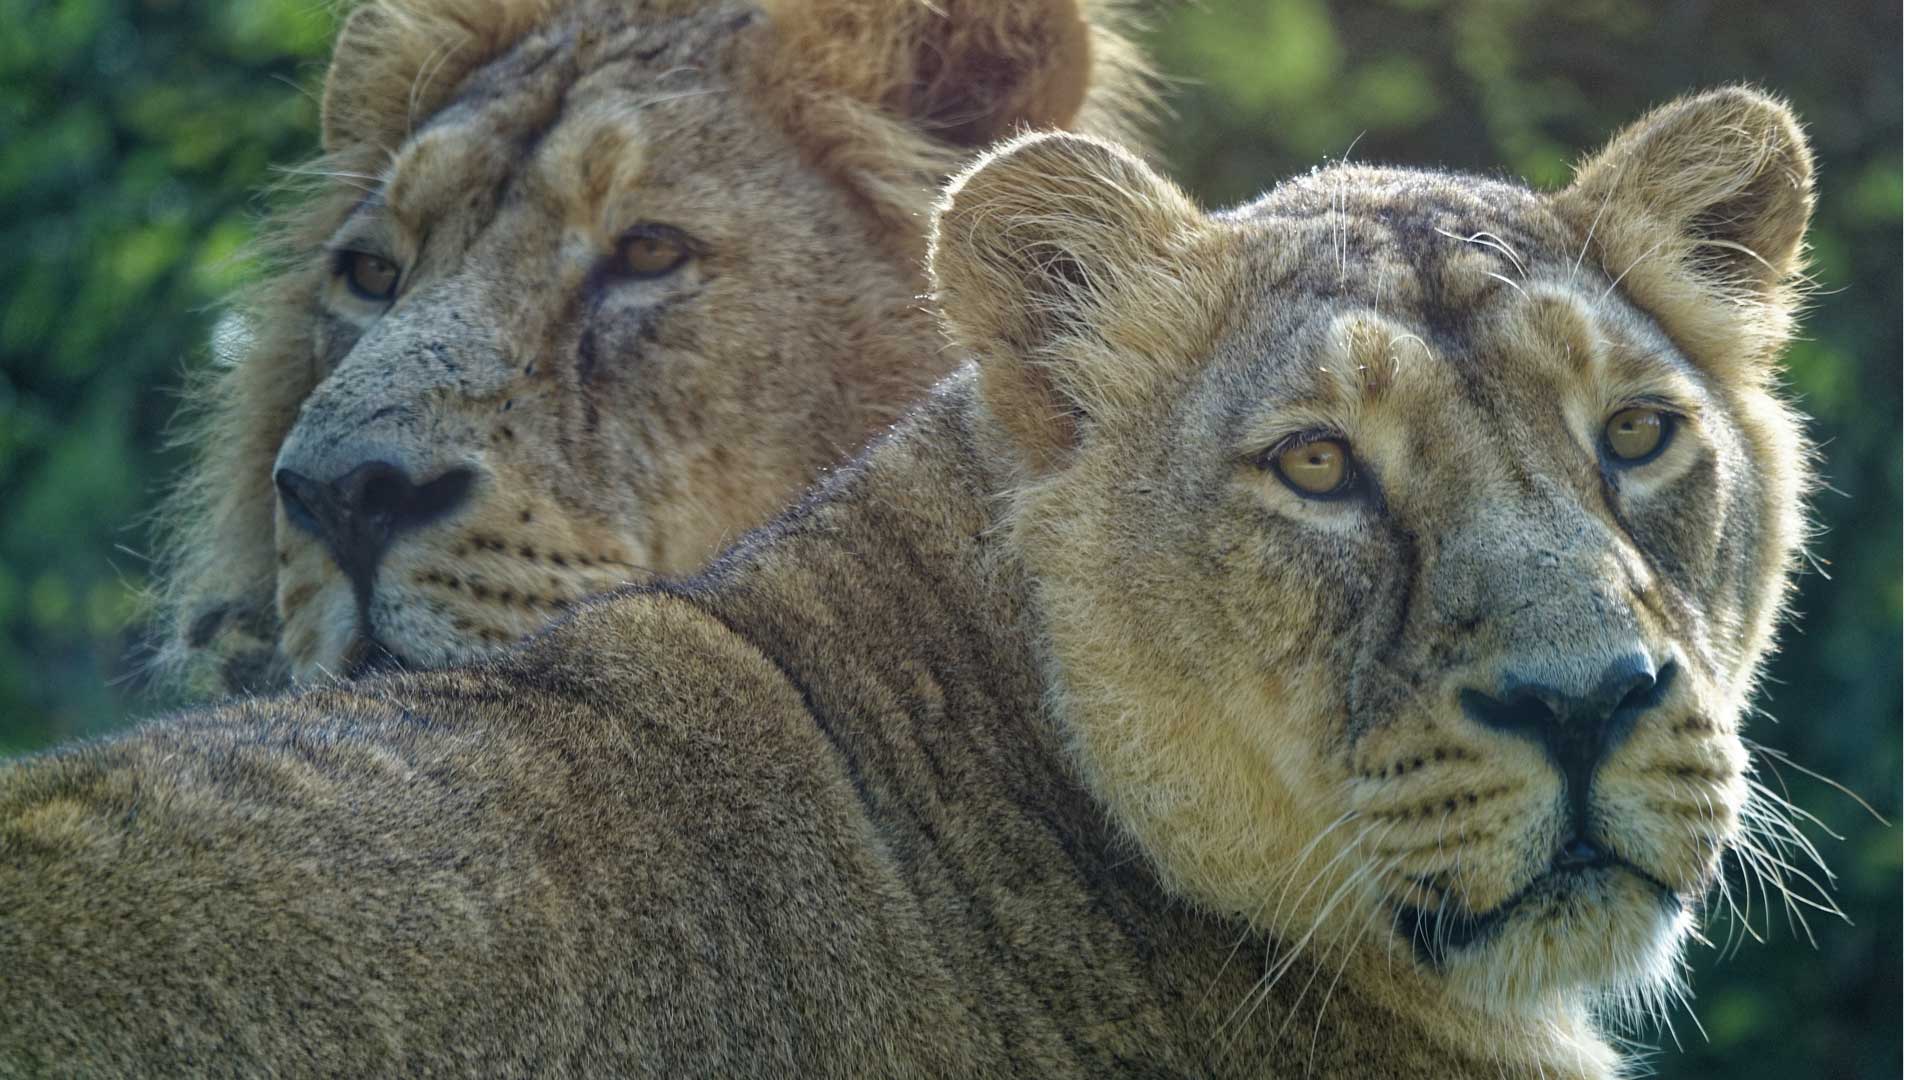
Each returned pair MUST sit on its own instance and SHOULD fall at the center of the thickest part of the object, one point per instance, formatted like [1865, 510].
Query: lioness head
[1407, 543]
[587, 288]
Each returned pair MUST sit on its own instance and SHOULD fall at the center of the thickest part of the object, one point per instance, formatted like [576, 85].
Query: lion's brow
[509, 105]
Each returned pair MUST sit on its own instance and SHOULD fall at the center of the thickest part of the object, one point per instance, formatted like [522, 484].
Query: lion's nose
[357, 515]
[1579, 713]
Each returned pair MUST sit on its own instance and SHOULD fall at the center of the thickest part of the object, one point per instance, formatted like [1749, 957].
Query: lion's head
[1408, 543]
[586, 289]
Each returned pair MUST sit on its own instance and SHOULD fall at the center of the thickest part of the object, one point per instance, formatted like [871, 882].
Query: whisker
[1265, 984]
[1623, 274]
[1487, 240]
[1601, 213]
[1781, 757]
[1508, 280]
[1298, 861]
[1373, 913]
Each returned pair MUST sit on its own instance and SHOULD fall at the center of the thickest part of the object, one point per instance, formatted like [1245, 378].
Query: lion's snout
[1577, 709]
[358, 515]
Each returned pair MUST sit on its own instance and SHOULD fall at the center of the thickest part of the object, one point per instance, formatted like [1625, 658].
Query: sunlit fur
[1265, 688]
[496, 150]
[1055, 735]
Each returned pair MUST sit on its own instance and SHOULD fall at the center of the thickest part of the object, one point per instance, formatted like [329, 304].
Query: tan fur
[507, 145]
[1055, 736]
[1259, 789]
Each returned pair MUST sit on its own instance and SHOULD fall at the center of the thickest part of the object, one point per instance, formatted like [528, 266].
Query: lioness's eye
[1638, 434]
[651, 251]
[1317, 469]
[369, 276]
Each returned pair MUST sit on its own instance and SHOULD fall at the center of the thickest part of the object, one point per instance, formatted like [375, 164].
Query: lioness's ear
[1700, 209]
[1078, 277]
[965, 71]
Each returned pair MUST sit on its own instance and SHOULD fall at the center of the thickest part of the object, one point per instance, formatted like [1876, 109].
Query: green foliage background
[136, 137]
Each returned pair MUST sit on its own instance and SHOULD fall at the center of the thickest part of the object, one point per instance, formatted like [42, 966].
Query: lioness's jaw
[588, 290]
[1461, 718]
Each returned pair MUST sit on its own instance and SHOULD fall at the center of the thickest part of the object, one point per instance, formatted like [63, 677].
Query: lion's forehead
[1407, 210]
[573, 108]
[1431, 243]
[1454, 333]
[1387, 293]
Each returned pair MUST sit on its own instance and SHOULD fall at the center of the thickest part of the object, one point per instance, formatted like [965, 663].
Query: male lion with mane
[586, 289]
[1311, 641]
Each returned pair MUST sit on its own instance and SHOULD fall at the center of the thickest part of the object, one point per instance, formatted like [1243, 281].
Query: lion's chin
[1607, 929]
[371, 656]
[340, 644]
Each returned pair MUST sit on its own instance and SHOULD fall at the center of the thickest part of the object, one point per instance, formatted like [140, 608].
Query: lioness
[1312, 641]
[586, 289]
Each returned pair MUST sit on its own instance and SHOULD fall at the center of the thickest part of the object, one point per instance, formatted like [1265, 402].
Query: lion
[1305, 639]
[585, 290]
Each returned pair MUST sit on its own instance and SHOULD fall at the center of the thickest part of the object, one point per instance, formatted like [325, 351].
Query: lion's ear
[395, 65]
[349, 106]
[384, 66]
[1700, 210]
[964, 71]
[1079, 278]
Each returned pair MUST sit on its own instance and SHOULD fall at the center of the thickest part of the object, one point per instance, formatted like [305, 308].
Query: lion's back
[464, 872]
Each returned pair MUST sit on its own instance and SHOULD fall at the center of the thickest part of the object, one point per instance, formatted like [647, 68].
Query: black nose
[1578, 720]
[357, 515]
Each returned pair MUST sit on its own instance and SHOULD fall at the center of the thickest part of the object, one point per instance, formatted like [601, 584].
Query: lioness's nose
[1577, 711]
[358, 514]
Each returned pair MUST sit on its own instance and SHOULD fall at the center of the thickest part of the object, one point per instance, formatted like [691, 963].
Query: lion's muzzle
[358, 514]
[1578, 712]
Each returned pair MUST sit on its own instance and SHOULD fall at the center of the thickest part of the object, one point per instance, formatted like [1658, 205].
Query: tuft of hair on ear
[1699, 210]
[966, 71]
[897, 94]
[1078, 277]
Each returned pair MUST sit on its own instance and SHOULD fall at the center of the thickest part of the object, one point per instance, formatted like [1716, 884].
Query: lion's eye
[369, 276]
[1637, 435]
[651, 251]
[1318, 469]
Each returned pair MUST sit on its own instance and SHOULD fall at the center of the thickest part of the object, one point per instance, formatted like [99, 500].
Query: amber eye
[1638, 434]
[1317, 469]
[651, 251]
[369, 276]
